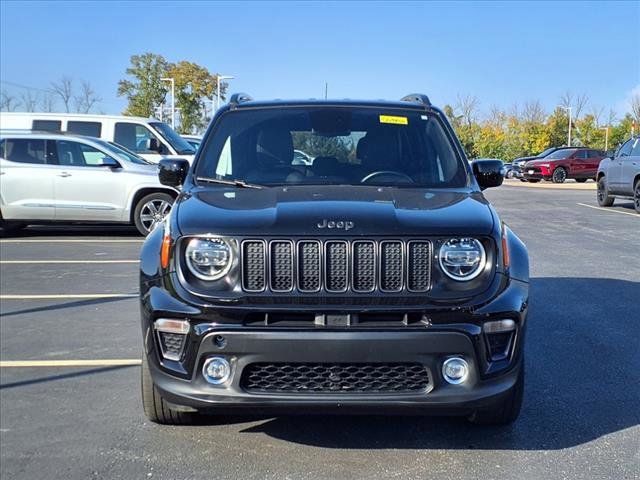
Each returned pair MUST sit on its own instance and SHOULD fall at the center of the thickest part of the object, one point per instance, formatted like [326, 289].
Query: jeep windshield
[338, 146]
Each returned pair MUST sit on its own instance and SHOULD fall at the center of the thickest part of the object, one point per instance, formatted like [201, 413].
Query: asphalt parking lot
[581, 415]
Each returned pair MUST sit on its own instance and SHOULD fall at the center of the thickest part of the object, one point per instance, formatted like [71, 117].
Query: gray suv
[619, 176]
[51, 177]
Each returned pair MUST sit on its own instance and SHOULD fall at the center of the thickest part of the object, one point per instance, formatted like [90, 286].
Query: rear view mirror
[109, 162]
[172, 172]
[488, 173]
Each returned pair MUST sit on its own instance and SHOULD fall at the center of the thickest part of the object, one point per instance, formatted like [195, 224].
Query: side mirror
[109, 162]
[488, 173]
[173, 171]
[153, 145]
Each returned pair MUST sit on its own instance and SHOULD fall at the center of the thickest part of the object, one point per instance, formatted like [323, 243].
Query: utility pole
[219, 79]
[606, 137]
[326, 89]
[173, 100]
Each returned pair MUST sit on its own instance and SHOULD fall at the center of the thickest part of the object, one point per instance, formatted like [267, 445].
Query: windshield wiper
[235, 183]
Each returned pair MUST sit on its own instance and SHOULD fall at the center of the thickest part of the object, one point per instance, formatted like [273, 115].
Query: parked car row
[53, 177]
[147, 137]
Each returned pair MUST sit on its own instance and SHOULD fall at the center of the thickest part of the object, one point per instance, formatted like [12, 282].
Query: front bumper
[242, 348]
[454, 332]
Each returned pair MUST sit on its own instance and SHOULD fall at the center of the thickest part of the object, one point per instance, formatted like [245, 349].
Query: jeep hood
[301, 210]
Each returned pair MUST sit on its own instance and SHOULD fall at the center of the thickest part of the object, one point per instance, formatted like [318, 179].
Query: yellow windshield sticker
[394, 120]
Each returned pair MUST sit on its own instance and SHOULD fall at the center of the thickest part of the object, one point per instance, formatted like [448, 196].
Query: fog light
[216, 370]
[455, 370]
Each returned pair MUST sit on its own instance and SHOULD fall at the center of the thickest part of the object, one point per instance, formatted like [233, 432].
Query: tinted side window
[635, 151]
[89, 129]
[582, 154]
[133, 136]
[625, 150]
[594, 154]
[25, 150]
[47, 125]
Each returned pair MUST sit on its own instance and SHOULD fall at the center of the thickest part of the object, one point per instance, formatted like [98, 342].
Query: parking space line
[68, 296]
[608, 210]
[40, 262]
[72, 240]
[69, 363]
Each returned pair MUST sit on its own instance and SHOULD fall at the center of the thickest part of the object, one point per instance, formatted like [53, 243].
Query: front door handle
[64, 174]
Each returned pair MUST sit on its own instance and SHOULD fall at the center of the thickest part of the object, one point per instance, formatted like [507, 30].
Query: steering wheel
[390, 173]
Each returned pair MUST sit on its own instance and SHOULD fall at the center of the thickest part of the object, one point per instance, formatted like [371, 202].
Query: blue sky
[503, 53]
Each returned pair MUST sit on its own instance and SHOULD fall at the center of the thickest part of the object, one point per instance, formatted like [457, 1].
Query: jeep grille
[336, 266]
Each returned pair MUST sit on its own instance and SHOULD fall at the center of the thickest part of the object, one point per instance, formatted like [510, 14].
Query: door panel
[615, 178]
[630, 168]
[26, 180]
[85, 191]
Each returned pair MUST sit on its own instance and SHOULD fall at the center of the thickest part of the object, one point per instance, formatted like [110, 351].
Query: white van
[149, 138]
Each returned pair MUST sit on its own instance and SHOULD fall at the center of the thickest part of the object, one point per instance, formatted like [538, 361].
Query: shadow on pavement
[63, 376]
[62, 306]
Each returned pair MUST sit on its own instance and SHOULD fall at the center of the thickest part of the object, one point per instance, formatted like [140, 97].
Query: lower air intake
[334, 378]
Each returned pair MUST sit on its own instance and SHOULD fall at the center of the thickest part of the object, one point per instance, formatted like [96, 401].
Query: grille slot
[309, 266]
[364, 266]
[391, 266]
[336, 266]
[335, 378]
[419, 260]
[281, 261]
[254, 265]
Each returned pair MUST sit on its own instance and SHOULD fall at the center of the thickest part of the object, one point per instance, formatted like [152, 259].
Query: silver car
[67, 178]
[619, 176]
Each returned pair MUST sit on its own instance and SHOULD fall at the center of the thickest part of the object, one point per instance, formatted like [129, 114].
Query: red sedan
[577, 163]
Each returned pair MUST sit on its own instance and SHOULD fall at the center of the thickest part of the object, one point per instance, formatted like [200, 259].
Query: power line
[13, 84]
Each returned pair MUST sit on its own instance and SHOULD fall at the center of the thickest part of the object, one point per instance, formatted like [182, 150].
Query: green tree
[145, 90]
[194, 84]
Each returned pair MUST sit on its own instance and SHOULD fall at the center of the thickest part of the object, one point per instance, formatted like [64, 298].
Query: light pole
[569, 134]
[219, 79]
[173, 100]
[606, 137]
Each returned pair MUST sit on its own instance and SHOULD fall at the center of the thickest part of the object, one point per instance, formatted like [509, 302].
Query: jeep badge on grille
[340, 224]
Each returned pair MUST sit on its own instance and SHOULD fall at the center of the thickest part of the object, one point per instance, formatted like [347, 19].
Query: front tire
[636, 196]
[604, 200]
[559, 175]
[151, 210]
[506, 410]
[155, 406]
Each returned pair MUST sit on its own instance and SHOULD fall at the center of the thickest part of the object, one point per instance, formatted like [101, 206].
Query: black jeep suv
[373, 276]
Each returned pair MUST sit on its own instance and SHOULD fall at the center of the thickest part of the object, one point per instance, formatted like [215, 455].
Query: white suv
[67, 178]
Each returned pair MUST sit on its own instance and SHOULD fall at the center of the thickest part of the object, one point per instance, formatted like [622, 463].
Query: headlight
[208, 258]
[462, 258]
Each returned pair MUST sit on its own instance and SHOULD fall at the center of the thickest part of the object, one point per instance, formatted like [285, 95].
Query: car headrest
[275, 146]
[382, 149]
[325, 166]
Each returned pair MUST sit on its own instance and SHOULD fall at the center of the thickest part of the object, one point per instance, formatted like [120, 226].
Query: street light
[220, 78]
[606, 137]
[569, 134]
[173, 100]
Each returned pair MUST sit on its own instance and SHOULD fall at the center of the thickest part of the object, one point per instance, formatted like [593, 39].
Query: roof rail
[417, 98]
[238, 98]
